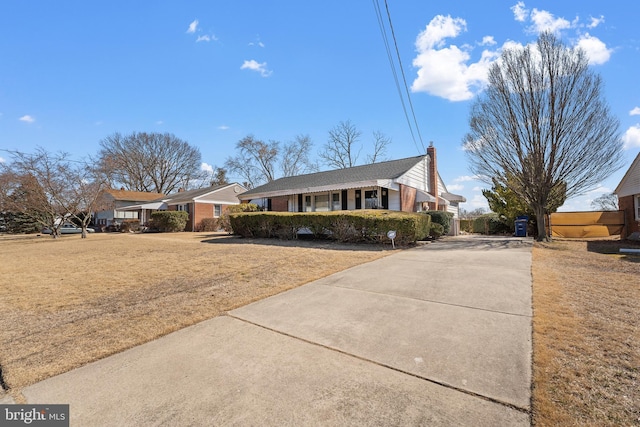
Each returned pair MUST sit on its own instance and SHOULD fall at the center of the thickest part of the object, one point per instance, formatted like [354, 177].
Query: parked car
[68, 229]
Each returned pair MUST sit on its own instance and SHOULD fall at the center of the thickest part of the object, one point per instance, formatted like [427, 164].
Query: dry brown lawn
[586, 356]
[70, 301]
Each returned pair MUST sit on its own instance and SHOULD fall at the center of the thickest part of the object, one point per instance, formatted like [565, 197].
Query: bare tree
[38, 188]
[341, 150]
[294, 158]
[150, 162]
[543, 122]
[380, 144]
[51, 189]
[256, 160]
[606, 202]
[85, 196]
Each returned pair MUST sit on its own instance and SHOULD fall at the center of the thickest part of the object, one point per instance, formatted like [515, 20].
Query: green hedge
[490, 224]
[342, 226]
[169, 220]
[443, 218]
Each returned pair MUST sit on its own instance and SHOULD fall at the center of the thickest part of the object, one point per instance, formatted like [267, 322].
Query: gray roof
[382, 170]
[188, 196]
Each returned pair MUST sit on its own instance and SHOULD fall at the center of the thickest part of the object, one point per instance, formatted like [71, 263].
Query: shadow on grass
[612, 247]
[307, 243]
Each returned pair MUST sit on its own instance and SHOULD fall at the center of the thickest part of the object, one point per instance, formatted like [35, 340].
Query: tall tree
[544, 122]
[294, 157]
[51, 189]
[258, 162]
[341, 150]
[152, 162]
[380, 144]
[606, 202]
[38, 188]
[343, 147]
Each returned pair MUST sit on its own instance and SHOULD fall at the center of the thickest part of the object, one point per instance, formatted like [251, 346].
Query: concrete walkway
[436, 335]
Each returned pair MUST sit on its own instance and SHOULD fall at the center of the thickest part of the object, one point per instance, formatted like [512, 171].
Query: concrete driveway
[435, 335]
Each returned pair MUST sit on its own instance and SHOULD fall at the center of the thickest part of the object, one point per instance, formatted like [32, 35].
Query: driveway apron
[435, 335]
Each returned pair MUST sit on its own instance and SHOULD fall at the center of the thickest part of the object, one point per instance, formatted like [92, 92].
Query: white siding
[417, 176]
[394, 200]
[630, 184]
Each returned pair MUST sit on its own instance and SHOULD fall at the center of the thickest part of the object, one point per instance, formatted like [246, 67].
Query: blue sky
[213, 72]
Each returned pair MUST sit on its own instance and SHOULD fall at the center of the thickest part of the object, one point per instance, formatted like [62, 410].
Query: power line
[385, 39]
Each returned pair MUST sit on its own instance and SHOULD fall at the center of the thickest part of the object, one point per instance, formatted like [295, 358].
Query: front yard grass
[70, 301]
[586, 334]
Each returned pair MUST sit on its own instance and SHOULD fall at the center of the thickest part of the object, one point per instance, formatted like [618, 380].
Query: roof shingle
[382, 170]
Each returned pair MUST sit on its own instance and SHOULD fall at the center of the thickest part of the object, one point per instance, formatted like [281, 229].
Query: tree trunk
[84, 232]
[541, 223]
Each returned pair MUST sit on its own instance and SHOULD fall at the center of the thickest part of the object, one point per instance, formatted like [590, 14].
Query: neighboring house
[628, 192]
[200, 203]
[409, 185]
[112, 202]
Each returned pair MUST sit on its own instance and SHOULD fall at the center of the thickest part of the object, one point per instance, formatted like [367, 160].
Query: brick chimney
[433, 175]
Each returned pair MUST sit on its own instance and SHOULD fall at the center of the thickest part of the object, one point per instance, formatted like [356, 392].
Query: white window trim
[636, 206]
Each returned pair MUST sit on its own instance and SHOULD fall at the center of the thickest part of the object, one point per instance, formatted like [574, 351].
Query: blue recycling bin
[521, 226]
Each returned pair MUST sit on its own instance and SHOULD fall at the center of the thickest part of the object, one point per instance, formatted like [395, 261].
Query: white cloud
[159, 122]
[193, 27]
[2, 160]
[206, 167]
[206, 38]
[477, 189]
[519, 12]
[257, 42]
[260, 67]
[635, 112]
[545, 21]
[27, 119]
[443, 70]
[488, 41]
[596, 50]
[223, 127]
[478, 201]
[455, 187]
[465, 178]
[595, 22]
[631, 138]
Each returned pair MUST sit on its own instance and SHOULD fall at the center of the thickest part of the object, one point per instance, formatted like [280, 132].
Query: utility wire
[385, 38]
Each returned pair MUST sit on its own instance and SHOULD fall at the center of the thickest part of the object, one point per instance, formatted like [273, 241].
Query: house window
[217, 210]
[322, 202]
[183, 208]
[307, 204]
[371, 199]
[636, 200]
[335, 202]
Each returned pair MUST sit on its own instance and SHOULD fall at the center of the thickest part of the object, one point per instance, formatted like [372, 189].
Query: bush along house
[408, 185]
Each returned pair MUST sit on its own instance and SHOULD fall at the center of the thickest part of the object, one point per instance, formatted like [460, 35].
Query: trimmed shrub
[223, 221]
[208, 224]
[490, 224]
[130, 225]
[443, 218]
[342, 226]
[169, 221]
[437, 230]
